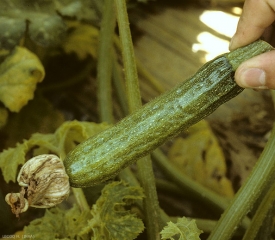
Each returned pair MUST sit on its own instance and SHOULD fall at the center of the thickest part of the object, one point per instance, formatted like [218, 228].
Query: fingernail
[253, 78]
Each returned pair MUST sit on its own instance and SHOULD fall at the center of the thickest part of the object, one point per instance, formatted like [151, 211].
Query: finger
[256, 17]
[257, 72]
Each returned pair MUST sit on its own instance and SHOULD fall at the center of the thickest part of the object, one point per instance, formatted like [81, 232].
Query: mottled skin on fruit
[101, 157]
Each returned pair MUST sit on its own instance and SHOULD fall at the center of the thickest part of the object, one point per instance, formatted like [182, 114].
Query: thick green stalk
[207, 225]
[105, 61]
[120, 87]
[80, 199]
[145, 168]
[188, 186]
[169, 187]
[192, 188]
[107, 67]
[245, 198]
[104, 73]
[126, 174]
[267, 226]
[144, 72]
[262, 223]
[130, 70]
[260, 214]
[151, 204]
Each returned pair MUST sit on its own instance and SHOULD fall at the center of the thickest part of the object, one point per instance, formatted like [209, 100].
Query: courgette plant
[114, 147]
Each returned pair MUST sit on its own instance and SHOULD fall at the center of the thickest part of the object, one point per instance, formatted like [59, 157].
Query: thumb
[257, 72]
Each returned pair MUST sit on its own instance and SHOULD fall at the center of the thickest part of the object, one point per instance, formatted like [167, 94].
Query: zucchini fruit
[101, 157]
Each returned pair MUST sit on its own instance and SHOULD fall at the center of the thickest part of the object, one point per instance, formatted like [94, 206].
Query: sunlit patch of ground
[224, 24]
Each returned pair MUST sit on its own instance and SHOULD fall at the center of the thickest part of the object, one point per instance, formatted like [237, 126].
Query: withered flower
[44, 183]
[17, 202]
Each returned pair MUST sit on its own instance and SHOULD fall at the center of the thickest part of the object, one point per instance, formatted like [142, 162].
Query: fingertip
[257, 72]
[251, 78]
[232, 44]
[255, 18]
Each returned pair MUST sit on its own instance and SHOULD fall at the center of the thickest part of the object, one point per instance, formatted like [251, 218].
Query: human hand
[256, 20]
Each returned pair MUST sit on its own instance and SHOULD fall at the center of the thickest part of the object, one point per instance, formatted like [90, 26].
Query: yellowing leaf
[65, 138]
[110, 219]
[83, 41]
[200, 157]
[19, 74]
[184, 229]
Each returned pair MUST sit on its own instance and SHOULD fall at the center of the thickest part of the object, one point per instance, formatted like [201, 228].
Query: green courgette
[102, 156]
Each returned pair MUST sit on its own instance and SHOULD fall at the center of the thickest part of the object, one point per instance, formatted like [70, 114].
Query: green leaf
[59, 224]
[13, 30]
[47, 30]
[10, 160]
[110, 219]
[40, 19]
[65, 138]
[184, 229]
[81, 10]
[19, 74]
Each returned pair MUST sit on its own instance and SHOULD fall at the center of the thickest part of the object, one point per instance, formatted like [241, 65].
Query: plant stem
[120, 87]
[205, 225]
[248, 193]
[189, 186]
[169, 187]
[144, 72]
[260, 214]
[146, 174]
[130, 70]
[108, 68]
[104, 73]
[105, 61]
[267, 226]
[126, 174]
[80, 199]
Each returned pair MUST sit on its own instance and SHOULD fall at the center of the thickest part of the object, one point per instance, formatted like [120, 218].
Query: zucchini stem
[120, 87]
[188, 186]
[248, 194]
[260, 214]
[105, 62]
[262, 172]
[147, 179]
[81, 199]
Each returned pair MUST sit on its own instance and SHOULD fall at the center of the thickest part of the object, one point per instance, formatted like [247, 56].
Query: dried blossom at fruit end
[44, 183]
